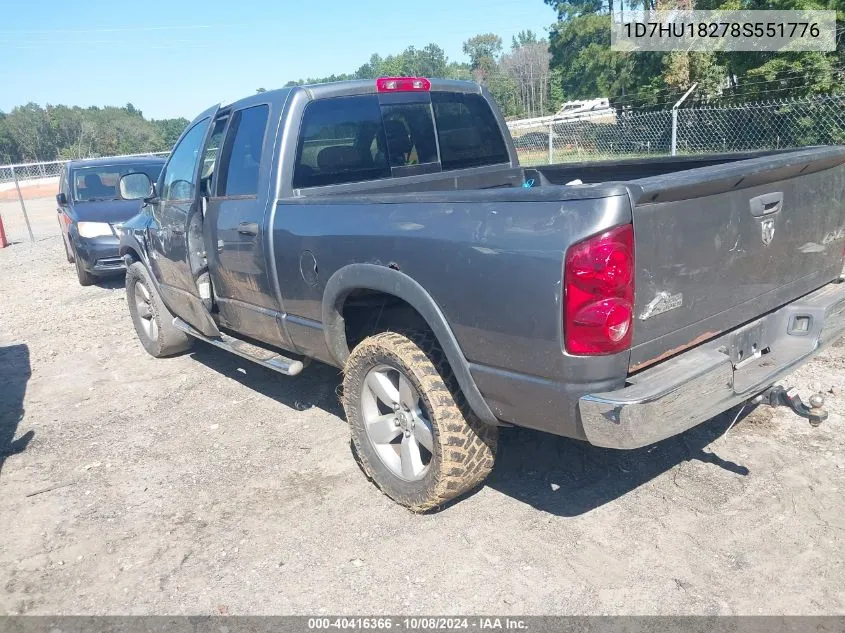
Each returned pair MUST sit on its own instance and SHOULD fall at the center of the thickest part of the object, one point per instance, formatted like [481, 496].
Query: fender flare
[129, 244]
[389, 281]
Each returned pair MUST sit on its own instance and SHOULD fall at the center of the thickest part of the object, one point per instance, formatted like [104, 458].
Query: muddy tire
[412, 430]
[152, 320]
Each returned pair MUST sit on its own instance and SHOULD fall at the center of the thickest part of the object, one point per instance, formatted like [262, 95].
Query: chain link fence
[21, 181]
[700, 130]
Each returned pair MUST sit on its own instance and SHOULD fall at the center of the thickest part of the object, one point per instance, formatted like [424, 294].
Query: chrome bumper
[698, 384]
[109, 264]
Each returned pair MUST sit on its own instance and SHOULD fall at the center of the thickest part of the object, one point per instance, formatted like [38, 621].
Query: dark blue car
[90, 208]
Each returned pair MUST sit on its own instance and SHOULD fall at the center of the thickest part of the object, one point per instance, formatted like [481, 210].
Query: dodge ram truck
[386, 228]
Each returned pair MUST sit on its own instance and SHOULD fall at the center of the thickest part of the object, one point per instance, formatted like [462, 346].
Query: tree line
[34, 133]
[536, 75]
[518, 78]
[583, 65]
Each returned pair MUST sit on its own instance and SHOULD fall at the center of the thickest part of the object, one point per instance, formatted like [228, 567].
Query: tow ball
[777, 396]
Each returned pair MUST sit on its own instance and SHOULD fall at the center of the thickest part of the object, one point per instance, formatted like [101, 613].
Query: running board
[260, 355]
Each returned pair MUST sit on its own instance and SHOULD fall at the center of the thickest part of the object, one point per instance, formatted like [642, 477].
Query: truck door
[177, 201]
[235, 221]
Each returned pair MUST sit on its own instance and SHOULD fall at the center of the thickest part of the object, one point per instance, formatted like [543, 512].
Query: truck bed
[698, 243]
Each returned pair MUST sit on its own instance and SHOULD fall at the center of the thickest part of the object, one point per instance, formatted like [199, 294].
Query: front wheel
[413, 432]
[152, 320]
[85, 278]
[68, 252]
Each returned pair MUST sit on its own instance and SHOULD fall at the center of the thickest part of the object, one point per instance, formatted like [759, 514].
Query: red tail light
[598, 286]
[403, 84]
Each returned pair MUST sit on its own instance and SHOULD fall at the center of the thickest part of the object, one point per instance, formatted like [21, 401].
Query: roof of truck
[354, 87]
[144, 159]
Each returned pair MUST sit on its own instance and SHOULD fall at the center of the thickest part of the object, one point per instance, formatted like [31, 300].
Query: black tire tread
[170, 340]
[85, 278]
[68, 253]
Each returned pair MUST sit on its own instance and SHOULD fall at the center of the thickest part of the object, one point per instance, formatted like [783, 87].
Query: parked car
[386, 228]
[532, 141]
[90, 207]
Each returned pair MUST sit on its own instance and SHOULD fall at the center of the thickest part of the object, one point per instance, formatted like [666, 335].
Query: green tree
[8, 147]
[169, 131]
[30, 131]
[522, 38]
[483, 51]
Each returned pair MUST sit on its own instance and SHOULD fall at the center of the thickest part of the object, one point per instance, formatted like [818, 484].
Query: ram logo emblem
[767, 227]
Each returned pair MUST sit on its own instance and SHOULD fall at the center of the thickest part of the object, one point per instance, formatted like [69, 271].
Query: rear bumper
[698, 384]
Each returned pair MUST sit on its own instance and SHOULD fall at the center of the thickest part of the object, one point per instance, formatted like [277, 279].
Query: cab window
[242, 151]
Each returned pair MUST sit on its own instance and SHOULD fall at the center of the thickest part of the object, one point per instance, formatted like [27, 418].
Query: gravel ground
[205, 485]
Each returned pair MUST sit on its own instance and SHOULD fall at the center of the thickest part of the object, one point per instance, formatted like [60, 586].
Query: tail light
[403, 84]
[598, 286]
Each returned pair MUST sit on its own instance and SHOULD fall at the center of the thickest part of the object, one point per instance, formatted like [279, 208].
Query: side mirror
[61, 199]
[135, 186]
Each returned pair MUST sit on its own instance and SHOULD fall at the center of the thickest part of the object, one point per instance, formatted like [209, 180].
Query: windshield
[100, 183]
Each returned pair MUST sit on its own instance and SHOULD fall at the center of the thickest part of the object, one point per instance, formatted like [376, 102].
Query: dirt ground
[28, 191]
[203, 485]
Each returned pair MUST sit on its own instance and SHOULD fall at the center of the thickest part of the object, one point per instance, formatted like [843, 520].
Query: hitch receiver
[777, 396]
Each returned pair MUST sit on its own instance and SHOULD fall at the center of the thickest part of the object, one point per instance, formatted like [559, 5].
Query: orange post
[3, 242]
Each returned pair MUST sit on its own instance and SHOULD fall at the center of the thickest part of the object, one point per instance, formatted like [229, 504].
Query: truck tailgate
[718, 246]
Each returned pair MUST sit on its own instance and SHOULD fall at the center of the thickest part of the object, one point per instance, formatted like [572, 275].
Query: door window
[242, 152]
[181, 172]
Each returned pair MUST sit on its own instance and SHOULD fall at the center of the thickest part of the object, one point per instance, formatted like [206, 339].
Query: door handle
[766, 204]
[248, 228]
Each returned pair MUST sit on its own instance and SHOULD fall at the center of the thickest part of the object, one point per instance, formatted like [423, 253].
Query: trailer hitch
[777, 396]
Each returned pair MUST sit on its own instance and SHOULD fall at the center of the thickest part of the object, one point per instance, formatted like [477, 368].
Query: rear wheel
[413, 432]
[152, 320]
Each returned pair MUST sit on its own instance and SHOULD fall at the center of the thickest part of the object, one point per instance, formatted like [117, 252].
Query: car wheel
[413, 433]
[85, 278]
[152, 320]
[68, 252]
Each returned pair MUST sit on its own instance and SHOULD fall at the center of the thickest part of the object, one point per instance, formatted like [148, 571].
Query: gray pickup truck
[386, 228]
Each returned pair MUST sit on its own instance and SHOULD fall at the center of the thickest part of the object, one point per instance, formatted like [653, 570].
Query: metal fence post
[551, 144]
[3, 241]
[675, 118]
[674, 131]
[23, 206]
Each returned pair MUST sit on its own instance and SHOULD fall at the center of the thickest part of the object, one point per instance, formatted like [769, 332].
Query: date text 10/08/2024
[418, 623]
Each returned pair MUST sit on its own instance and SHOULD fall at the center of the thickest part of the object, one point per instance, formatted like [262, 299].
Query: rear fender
[382, 279]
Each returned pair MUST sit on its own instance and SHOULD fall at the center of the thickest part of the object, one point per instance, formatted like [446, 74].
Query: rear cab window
[468, 133]
[365, 137]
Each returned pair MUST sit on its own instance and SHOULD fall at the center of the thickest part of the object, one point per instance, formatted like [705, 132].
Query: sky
[173, 58]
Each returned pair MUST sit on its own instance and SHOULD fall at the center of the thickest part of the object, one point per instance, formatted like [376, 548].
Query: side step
[260, 355]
